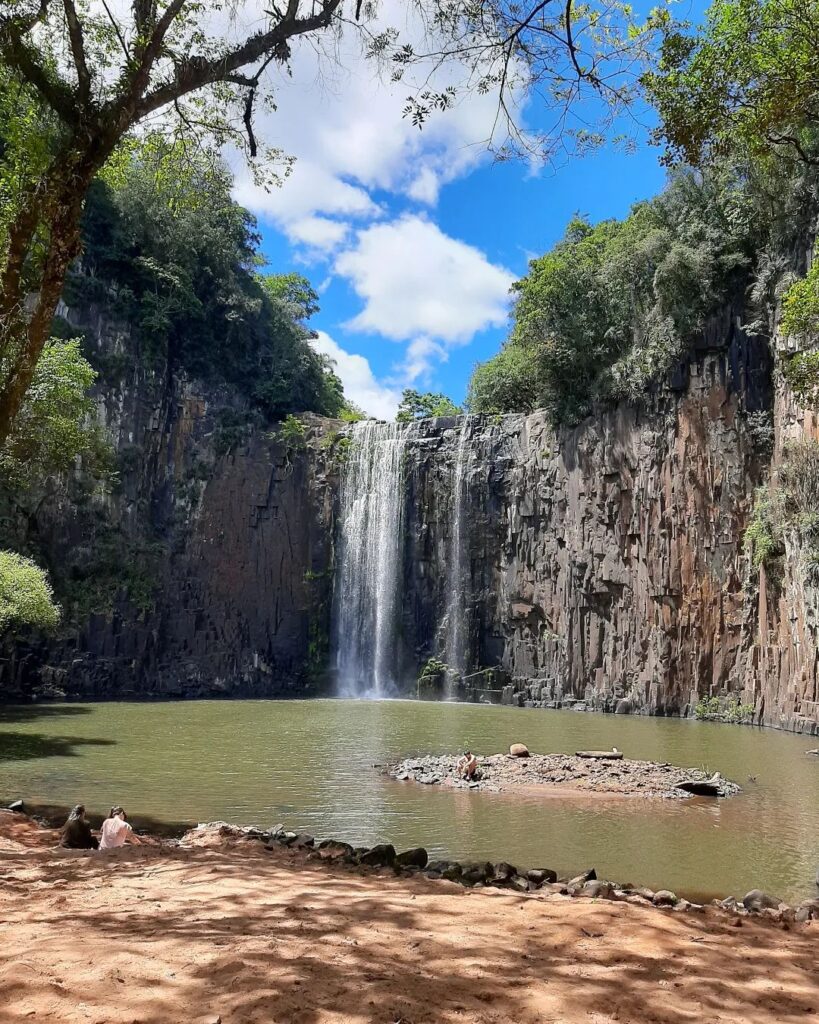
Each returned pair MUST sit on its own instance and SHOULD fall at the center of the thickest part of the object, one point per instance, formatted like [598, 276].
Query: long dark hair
[77, 812]
[118, 810]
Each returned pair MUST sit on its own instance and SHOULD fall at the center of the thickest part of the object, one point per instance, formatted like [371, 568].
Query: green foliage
[292, 433]
[420, 405]
[507, 381]
[26, 598]
[801, 372]
[747, 79]
[111, 566]
[351, 413]
[433, 667]
[175, 257]
[723, 709]
[54, 426]
[800, 308]
[613, 305]
[763, 535]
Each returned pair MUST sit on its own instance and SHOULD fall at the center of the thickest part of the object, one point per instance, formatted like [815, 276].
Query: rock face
[606, 563]
[242, 529]
[601, 567]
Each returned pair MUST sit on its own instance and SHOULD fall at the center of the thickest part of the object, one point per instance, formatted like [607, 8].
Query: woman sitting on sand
[467, 765]
[116, 831]
[76, 833]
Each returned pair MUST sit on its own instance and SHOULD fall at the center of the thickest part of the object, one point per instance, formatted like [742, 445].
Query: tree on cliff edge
[82, 76]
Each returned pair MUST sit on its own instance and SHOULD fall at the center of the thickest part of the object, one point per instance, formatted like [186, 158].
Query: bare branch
[195, 72]
[75, 35]
[23, 59]
[117, 30]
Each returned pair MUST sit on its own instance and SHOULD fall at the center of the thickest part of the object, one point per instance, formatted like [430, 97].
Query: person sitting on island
[116, 831]
[467, 765]
[76, 833]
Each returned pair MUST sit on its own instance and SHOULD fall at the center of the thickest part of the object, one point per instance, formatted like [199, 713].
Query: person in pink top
[116, 831]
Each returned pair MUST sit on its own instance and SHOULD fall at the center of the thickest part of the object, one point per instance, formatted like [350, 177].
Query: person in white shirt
[116, 831]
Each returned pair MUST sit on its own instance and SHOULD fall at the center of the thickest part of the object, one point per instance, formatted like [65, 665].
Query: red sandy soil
[222, 930]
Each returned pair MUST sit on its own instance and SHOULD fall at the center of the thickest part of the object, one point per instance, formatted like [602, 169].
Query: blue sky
[412, 239]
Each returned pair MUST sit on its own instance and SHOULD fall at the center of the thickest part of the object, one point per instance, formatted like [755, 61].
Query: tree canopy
[749, 78]
[416, 405]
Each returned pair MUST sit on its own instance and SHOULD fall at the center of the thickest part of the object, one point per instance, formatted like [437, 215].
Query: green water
[309, 764]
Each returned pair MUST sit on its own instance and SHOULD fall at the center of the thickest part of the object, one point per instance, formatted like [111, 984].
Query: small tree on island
[417, 405]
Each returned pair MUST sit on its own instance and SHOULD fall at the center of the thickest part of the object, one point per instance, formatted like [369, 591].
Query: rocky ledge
[570, 773]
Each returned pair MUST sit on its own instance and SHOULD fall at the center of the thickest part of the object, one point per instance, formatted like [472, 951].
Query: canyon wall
[223, 530]
[602, 566]
[607, 567]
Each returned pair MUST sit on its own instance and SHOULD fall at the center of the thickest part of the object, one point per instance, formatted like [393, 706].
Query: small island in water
[602, 773]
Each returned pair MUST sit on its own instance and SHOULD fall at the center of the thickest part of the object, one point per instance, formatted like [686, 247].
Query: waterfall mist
[369, 569]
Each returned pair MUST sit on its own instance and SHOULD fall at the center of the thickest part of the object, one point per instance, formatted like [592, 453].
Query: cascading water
[370, 566]
[457, 564]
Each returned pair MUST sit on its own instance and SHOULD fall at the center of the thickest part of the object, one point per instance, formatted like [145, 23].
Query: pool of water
[309, 764]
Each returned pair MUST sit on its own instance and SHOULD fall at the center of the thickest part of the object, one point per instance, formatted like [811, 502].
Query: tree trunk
[22, 342]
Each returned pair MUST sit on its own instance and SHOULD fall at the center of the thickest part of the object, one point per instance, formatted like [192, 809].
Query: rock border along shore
[502, 875]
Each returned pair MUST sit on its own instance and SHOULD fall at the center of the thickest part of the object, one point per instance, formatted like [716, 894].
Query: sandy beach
[221, 929]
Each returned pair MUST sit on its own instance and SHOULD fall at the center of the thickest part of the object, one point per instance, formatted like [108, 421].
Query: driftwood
[703, 787]
[601, 755]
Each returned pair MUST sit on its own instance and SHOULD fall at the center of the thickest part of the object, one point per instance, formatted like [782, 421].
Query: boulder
[580, 880]
[808, 910]
[664, 898]
[503, 872]
[380, 856]
[18, 806]
[541, 875]
[520, 884]
[519, 750]
[453, 872]
[417, 857]
[477, 872]
[599, 889]
[332, 850]
[302, 841]
[757, 900]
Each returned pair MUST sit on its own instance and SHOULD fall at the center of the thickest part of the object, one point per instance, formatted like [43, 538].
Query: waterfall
[458, 562]
[370, 560]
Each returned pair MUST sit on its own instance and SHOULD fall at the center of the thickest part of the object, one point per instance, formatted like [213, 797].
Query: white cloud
[319, 233]
[360, 383]
[416, 280]
[342, 121]
[422, 355]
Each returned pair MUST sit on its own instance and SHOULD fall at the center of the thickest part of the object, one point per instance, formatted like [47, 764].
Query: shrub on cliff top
[26, 598]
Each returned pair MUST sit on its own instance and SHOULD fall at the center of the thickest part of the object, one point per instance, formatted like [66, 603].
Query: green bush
[800, 306]
[723, 709]
[26, 597]
[763, 535]
[417, 405]
[801, 373]
[292, 434]
[508, 381]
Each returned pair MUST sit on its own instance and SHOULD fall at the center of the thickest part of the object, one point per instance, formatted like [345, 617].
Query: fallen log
[703, 787]
[601, 755]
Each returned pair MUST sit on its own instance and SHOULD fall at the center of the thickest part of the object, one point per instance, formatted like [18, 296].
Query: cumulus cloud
[360, 383]
[415, 280]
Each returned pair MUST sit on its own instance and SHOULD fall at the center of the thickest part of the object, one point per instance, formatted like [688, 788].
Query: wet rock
[453, 872]
[808, 910]
[541, 875]
[599, 889]
[302, 841]
[503, 872]
[380, 856]
[757, 900]
[519, 750]
[580, 880]
[624, 707]
[414, 858]
[18, 806]
[520, 884]
[476, 872]
[332, 850]
[664, 898]
[729, 903]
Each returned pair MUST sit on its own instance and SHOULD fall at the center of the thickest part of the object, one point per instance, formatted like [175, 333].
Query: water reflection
[310, 764]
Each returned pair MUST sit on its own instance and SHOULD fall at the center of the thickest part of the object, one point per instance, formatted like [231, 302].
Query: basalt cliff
[602, 566]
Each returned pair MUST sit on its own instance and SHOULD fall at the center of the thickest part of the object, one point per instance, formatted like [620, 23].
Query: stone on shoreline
[758, 900]
[417, 857]
[541, 875]
[382, 855]
[664, 898]
[519, 750]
